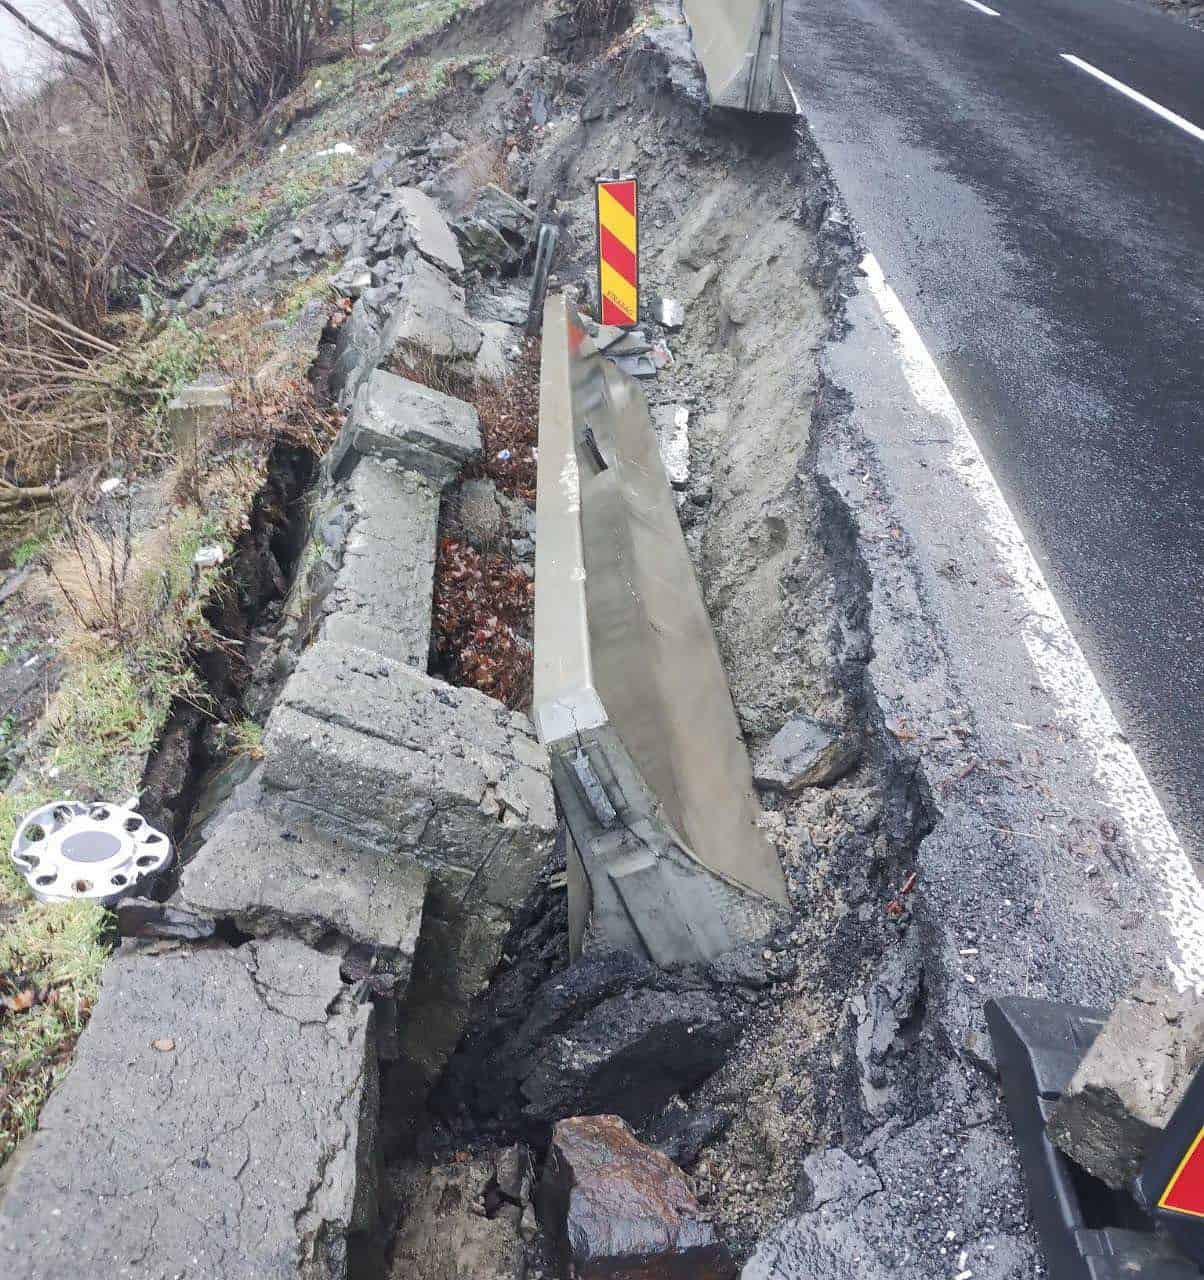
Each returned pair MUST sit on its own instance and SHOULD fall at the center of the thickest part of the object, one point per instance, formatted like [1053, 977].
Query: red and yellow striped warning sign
[1184, 1193]
[619, 251]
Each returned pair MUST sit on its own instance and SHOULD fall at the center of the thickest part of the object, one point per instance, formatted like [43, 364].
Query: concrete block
[431, 320]
[270, 876]
[421, 429]
[805, 753]
[405, 762]
[219, 1120]
[380, 596]
[428, 230]
[1129, 1082]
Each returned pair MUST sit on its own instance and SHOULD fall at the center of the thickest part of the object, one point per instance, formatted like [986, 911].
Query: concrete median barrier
[739, 43]
[630, 694]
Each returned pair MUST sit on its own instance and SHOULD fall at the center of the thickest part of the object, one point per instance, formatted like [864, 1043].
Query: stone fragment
[506, 305]
[446, 1232]
[805, 753]
[358, 347]
[478, 517]
[269, 875]
[681, 1134]
[483, 246]
[1129, 1082]
[503, 211]
[246, 1151]
[669, 312]
[629, 1054]
[431, 322]
[421, 429]
[614, 1207]
[428, 230]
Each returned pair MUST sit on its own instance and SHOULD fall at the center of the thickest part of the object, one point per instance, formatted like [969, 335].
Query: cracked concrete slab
[269, 876]
[219, 1120]
[430, 319]
[422, 429]
[429, 232]
[381, 595]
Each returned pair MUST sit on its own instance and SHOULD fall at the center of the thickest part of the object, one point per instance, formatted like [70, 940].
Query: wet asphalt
[1045, 234]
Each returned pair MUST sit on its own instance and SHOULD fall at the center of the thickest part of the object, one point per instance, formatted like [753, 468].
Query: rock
[358, 347]
[805, 753]
[614, 1207]
[421, 429]
[478, 517]
[834, 1175]
[483, 245]
[510, 1170]
[504, 212]
[268, 876]
[430, 321]
[445, 1233]
[444, 146]
[428, 230]
[247, 1150]
[507, 305]
[1129, 1082]
[681, 1134]
[629, 1055]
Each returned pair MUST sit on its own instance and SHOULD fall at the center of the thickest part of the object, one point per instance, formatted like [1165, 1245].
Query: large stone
[219, 1120]
[1129, 1082]
[447, 1232]
[421, 429]
[805, 753]
[614, 1207]
[503, 211]
[428, 230]
[358, 347]
[606, 1035]
[380, 597]
[430, 321]
[269, 876]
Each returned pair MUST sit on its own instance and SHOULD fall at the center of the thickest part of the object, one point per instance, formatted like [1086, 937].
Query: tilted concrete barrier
[739, 43]
[630, 694]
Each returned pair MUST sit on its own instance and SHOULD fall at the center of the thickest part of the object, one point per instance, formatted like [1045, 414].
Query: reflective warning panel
[1184, 1192]
[619, 251]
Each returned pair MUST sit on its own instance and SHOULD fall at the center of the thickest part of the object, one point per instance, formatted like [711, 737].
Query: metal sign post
[617, 203]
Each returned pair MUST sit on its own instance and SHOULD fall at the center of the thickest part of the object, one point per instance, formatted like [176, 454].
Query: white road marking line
[982, 8]
[1150, 105]
[1057, 656]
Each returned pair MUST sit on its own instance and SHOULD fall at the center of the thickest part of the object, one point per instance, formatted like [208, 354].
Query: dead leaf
[20, 1002]
[164, 1045]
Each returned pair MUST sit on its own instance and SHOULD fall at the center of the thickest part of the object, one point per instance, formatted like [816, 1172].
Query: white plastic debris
[504, 456]
[67, 850]
[113, 486]
[207, 557]
[670, 313]
[368, 46]
[339, 149]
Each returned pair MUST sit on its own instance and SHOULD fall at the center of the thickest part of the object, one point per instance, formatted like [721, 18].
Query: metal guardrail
[631, 699]
[739, 43]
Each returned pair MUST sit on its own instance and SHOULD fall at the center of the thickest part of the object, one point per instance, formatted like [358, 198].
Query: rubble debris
[146, 919]
[429, 232]
[1129, 1082]
[805, 753]
[612, 1206]
[421, 429]
[268, 1094]
[456, 1223]
[636, 366]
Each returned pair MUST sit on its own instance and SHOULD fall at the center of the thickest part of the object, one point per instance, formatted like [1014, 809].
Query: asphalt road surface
[1044, 230]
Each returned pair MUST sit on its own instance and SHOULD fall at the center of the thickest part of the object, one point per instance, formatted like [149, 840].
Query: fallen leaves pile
[483, 606]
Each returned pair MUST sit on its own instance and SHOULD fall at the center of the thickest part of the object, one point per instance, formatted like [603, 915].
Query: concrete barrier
[739, 43]
[630, 695]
